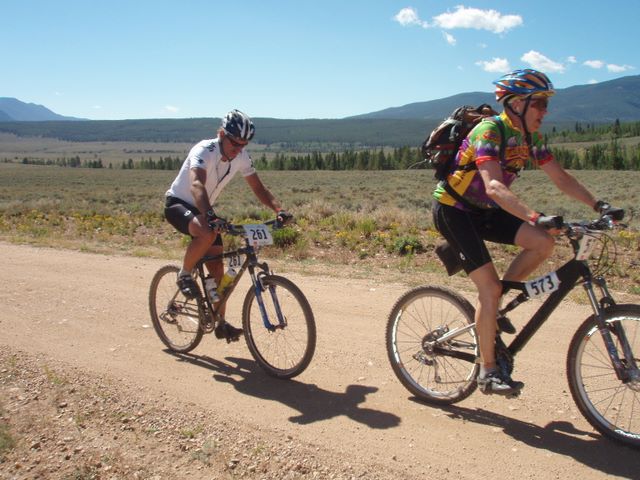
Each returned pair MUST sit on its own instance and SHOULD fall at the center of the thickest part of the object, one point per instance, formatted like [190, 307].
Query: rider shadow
[559, 437]
[314, 404]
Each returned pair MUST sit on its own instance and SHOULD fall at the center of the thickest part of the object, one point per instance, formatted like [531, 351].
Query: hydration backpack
[441, 146]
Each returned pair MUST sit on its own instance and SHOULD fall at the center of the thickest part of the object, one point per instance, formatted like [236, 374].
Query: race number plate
[235, 262]
[258, 235]
[542, 285]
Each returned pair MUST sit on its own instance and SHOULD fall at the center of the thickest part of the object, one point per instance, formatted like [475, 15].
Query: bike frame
[250, 263]
[569, 275]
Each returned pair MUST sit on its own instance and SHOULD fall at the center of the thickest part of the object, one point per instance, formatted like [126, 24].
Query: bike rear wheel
[283, 351]
[610, 406]
[175, 318]
[435, 373]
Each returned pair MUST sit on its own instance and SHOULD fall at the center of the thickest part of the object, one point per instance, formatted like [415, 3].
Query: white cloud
[451, 40]
[409, 16]
[612, 67]
[171, 109]
[618, 68]
[496, 65]
[592, 82]
[490, 20]
[540, 62]
[97, 107]
[594, 63]
[572, 59]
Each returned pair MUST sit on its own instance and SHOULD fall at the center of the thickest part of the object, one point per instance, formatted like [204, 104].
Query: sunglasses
[539, 103]
[235, 143]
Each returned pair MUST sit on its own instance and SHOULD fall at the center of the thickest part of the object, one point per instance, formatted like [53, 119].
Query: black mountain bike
[432, 345]
[278, 322]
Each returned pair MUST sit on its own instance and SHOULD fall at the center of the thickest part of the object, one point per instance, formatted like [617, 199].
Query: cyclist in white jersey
[209, 167]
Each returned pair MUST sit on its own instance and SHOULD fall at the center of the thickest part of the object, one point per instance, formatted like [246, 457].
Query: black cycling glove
[283, 217]
[549, 222]
[215, 222]
[605, 208]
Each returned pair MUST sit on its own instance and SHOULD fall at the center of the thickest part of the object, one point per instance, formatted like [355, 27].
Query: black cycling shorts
[467, 231]
[180, 213]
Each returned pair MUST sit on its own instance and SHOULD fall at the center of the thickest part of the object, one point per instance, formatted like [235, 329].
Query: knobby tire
[175, 319]
[281, 352]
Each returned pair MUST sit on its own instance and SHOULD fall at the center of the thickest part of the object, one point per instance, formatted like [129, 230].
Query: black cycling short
[467, 231]
[180, 213]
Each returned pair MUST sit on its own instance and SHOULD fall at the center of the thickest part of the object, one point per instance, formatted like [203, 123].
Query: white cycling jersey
[206, 155]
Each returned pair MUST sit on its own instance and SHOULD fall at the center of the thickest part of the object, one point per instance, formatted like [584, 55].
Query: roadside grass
[371, 219]
[7, 440]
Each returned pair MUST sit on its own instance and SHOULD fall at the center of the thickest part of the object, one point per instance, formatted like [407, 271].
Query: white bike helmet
[238, 125]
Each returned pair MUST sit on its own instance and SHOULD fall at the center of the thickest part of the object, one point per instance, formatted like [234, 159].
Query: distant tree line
[398, 159]
[594, 132]
[611, 154]
[163, 163]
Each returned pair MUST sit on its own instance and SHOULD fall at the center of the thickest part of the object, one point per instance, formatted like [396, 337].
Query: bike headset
[524, 83]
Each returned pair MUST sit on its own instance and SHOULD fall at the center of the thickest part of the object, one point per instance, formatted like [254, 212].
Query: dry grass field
[359, 218]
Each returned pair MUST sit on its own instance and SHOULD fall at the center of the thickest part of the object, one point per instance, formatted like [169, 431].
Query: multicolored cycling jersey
[483, 145]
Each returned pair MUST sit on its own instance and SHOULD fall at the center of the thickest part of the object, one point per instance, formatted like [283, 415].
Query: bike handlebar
[575, 230]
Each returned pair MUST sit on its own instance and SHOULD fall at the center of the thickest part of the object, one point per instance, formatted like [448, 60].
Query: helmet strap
[523, 122]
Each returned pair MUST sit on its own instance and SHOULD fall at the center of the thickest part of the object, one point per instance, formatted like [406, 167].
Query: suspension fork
[258, 287]
[598, 310]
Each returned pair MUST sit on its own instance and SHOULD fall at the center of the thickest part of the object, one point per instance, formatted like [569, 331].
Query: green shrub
[408, 245]
[285, 237]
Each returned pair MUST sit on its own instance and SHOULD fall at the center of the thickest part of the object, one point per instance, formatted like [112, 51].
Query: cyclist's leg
[224, 330]
[537, 246]
[489, 289]
[466, 233]
[462, 231]
[201, 239]
[186, 219]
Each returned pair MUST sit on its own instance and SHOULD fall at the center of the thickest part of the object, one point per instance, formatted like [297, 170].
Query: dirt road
[90, 312]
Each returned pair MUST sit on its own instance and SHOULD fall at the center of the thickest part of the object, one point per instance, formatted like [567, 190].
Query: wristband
[534, 218]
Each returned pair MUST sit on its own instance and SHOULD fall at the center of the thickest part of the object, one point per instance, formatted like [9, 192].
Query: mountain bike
[277, 320]
[432, 345]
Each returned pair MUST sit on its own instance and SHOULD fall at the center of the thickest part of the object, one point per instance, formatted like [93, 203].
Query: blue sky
[125, 59]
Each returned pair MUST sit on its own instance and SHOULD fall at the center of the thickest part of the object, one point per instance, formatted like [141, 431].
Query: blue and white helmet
[238, 125]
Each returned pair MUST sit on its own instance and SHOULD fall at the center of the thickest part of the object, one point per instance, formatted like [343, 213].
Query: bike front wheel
[611, 406]
[279, 327]
[435, 371]
[175, 318]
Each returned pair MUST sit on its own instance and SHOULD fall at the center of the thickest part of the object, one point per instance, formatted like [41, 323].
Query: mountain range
[602, 102]
[598, 103]
[13, 110]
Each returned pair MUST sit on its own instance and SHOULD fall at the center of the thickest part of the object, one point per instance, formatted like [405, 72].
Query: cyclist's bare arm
[567, 183]
[262, 193]
[198, 177]
[497, 191]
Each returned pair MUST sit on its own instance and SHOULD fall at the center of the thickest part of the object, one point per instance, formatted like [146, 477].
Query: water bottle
[212, 289]
[226, 280]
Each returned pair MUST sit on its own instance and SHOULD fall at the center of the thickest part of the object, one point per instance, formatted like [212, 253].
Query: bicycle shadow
[560, 437]
[314, 404]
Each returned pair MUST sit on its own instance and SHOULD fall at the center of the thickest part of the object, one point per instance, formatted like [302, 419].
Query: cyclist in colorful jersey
[475, 204]
[208, 168]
